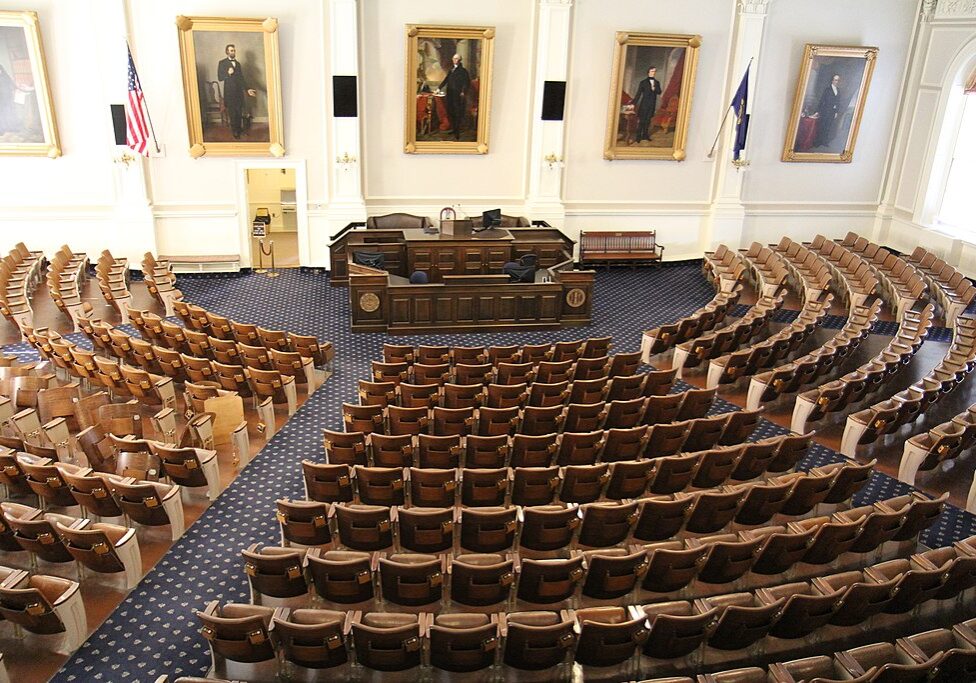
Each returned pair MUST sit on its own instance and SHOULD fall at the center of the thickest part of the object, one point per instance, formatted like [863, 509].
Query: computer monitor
[491, 218]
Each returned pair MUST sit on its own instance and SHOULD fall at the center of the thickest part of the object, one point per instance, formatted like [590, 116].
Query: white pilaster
[553, 31]
[132, 219]
[346, 203]
[727, 215]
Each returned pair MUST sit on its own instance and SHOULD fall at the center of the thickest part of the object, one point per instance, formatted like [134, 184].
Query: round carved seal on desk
[575, 297]
[369, 302]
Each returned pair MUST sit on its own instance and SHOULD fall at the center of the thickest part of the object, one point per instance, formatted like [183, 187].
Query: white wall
[945, 53]
[804, 198]
[431, 181]
[195, 201]
[177, 205]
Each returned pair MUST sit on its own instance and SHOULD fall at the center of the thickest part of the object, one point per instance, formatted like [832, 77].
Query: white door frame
[301, 201]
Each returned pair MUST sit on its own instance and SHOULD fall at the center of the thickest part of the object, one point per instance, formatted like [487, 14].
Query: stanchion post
[261, 268]
[271, 253]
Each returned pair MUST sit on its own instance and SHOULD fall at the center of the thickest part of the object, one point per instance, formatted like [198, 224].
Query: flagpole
[725, 118]
[146, 108]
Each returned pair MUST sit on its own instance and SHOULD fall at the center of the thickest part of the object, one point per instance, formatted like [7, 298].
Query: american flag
[136, 116]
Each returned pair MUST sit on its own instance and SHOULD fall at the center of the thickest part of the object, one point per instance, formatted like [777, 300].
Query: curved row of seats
[952, 289]
[531, 420]
[615, 481]
[724, 267]
[161, 282]
[591, 347]
[944, 442]
[113, 281]
[794, 375]
[870, 376]
[729, 338]
[857, 275]
[20, 273]
[666, 337]
[540, 450]
[68, 270]
[943, 654]
[641, 637]
[866, 426]
[899, 278]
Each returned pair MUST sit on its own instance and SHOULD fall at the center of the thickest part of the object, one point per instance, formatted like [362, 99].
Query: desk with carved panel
[439, 254]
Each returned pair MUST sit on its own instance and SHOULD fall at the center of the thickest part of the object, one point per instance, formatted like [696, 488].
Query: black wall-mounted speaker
[344, 96]
[553, 100]
[118, 123]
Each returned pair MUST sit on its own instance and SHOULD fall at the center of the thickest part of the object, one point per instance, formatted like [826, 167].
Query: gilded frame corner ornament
[623, 40]
[416, 32]
[268, 28]
[50, 146]
[812, 51]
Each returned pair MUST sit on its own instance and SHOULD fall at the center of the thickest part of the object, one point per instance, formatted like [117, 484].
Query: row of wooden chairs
[729, 338]
[208, 335]
[746, 362]
[945, 655]
[870, 376]
[592, 347]
[68, 270]
[663, 475]
[637, 637]
[899, 279]
[54, 537]
[618, 365]
[101, 495]
[532, 420]
[887, 416]
[953, 290]
[857, 274]
[161, 282]
[661, 516]
[810, 273]
[113, 280]
[768, 270]
[944, 442]
[794, 375]
[20, 273]
[666, 337]
[524, 450]
[612, 568]
[451, 395]
[724, 267]
[46, 605]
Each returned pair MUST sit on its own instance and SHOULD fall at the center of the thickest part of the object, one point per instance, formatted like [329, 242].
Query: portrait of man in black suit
[230, 72]
[455, 88]
[645, 103]
[830, 108]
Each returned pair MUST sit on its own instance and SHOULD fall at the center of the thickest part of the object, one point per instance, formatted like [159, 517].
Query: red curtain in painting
[667, 111]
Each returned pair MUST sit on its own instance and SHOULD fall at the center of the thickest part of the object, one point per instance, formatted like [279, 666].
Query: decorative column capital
[928, 8]
[753, 6]
[556, 3]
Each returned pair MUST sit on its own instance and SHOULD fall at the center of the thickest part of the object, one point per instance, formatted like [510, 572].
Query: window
[958, 204]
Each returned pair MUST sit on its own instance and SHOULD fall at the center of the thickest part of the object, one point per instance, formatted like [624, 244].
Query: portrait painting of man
[26, 111]
[829, 101]
[449, 95]
[651, 86]
[232, 87]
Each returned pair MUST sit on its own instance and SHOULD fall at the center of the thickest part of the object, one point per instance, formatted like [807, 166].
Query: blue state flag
[739, 105]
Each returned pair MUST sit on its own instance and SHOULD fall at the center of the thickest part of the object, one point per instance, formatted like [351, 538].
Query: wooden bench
[215, 263]
[631, 247]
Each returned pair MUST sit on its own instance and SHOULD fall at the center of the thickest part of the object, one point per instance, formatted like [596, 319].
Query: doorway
[272, 212]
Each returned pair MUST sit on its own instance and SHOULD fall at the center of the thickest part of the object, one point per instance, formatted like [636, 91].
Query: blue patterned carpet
[154, 632]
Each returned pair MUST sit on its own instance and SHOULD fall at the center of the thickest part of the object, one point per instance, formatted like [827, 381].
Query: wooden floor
[30, 659]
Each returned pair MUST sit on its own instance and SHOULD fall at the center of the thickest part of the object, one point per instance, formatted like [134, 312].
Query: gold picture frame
[27, 123]
[448, 75]
[239, 113]
[827, 73]
[638, 127]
